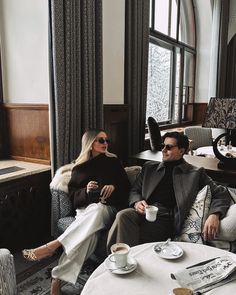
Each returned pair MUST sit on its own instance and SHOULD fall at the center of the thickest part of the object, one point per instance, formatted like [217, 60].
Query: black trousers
[132, 228]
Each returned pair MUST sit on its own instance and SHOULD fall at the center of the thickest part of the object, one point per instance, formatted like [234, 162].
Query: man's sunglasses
[103, 140]
[167, 146]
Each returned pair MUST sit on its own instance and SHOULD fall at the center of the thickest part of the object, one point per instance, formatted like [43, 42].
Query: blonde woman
[98, 188]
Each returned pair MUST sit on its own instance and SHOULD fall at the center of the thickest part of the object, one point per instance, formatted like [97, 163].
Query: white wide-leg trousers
[80, 239]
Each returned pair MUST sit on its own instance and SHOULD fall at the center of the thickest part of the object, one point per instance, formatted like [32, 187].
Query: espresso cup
[151, 213]
[119, 254]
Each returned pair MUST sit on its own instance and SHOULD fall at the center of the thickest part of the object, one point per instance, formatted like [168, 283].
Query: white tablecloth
[152, 275]
[208, 151]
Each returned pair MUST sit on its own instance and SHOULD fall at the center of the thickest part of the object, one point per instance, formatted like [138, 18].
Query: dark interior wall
[116, 125]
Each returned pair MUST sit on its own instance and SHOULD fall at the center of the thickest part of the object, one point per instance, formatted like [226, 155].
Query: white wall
[24, 46]
[204, 30]
[113, 51]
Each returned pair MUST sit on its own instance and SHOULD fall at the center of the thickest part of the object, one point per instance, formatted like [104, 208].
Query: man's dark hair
[181, 139]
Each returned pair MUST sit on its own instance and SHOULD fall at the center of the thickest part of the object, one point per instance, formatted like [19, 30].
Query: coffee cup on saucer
[119, 254]
[151, 213]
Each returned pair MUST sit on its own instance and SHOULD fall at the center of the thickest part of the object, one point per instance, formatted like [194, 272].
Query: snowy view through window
[158, 92]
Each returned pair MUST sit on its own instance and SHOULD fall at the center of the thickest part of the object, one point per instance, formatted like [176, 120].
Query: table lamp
[221, 113]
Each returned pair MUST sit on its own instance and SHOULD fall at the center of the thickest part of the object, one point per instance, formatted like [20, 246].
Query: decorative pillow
[62, 177]
[226, 238]
[232, 192]
[192, 227]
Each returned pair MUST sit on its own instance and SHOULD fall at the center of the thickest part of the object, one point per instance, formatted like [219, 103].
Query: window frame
[158, 38]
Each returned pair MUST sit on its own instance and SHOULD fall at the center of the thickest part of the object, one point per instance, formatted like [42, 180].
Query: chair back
[154, 134]
[200, 136]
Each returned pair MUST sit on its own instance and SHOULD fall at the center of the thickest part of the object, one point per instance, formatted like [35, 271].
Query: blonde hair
[86, 146]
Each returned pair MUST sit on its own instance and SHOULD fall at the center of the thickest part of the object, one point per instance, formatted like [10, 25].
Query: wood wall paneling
[28, 132]
[199, 111]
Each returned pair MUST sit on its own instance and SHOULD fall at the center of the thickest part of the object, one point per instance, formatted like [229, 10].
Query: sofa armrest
[226, 238]
[61, 206]
[132, 173]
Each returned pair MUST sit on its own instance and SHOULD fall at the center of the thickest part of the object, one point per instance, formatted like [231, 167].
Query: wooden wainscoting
[199, 113]
[27, 132]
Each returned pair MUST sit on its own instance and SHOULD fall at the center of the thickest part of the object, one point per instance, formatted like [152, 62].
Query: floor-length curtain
[75, 55]
[136, 69]
[222, 47]
[230, 88]
[218, 58]
[1, 115]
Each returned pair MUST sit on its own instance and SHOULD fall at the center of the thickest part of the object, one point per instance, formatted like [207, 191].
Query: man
[172, 186]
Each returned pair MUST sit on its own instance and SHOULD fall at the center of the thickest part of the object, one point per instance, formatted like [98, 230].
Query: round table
[207, 151]
[152, 275]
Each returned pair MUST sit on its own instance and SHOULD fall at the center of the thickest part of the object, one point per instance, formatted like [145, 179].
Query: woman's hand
[211, 227]
[92, 185]
[140, 206]
[106, 192]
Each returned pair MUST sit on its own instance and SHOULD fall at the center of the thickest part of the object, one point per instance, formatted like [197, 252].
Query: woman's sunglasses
[103, 140]
[167, 146]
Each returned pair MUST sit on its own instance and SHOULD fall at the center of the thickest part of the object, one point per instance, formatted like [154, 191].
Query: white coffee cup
[151, 213]
[119, 254]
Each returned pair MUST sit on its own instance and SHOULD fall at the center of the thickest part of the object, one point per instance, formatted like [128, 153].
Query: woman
[98, 188]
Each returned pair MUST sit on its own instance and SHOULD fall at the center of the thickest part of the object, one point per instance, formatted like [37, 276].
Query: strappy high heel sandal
[29, 254]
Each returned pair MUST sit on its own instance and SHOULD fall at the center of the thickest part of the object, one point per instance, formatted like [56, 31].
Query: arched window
[171, 65]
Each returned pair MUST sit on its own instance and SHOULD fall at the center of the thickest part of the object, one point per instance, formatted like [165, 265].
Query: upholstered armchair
[7, 273]
[199, 136]
[62, 214]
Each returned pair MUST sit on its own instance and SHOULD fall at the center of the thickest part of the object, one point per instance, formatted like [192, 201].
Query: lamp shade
[221, 113]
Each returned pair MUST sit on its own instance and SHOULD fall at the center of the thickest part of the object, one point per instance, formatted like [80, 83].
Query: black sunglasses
[167, 146]
[103, 140]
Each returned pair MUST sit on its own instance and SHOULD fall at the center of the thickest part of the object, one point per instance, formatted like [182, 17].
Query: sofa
[62, 213]
[61, 206]
[7, 273]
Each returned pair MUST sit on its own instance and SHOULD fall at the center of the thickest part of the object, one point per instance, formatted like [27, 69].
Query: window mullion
[173, 78]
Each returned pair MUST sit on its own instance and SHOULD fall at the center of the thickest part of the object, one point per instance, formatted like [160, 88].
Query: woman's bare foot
[55, 287]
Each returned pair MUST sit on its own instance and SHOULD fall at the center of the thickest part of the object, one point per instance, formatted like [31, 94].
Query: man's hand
[140, 206]
[211, 227]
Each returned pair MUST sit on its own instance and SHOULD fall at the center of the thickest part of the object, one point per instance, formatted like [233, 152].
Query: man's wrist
[217, 214]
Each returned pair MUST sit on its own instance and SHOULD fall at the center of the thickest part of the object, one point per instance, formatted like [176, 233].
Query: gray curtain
[76, 74]
[136, 69]
[230, 88]
[1, 115]
[222, 47]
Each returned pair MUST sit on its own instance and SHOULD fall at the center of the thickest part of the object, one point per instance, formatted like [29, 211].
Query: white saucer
[169, 251]
[111, 266]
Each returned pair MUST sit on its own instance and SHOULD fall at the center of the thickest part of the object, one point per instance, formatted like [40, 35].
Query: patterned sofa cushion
[192, 227]
[63, 223]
